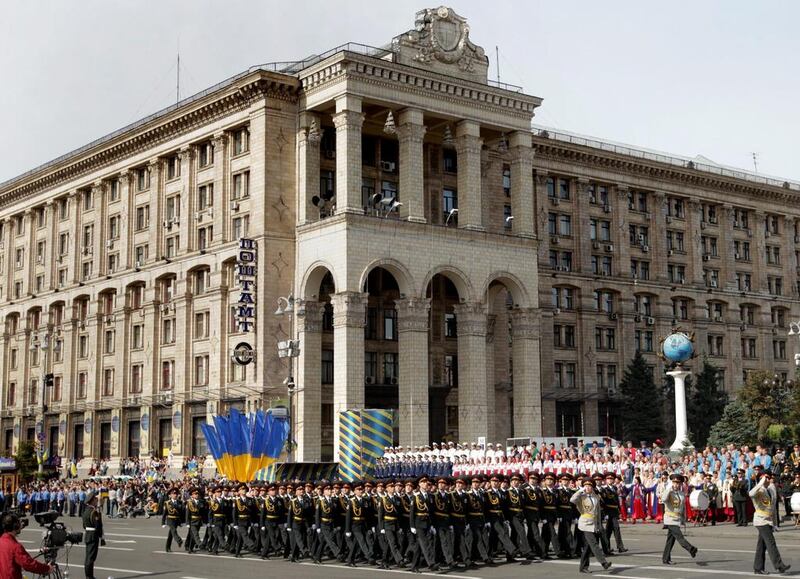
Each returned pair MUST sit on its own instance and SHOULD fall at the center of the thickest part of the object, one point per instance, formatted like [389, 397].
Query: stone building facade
[443, 259]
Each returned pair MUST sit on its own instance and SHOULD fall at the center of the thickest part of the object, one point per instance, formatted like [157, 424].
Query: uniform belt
[531, 508]
[270, 517]
[550, 508]
[422, 515]
[495, 512]
[475, 514]
[458, 515]
[357, 519]
[515, 510]
[442, 514]
[220, 516]
[389, 518]
[299, 519]
[89, 529]
[172, 516]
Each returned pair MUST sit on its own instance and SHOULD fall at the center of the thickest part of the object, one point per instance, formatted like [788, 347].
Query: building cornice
[558, 151]
[141, 136]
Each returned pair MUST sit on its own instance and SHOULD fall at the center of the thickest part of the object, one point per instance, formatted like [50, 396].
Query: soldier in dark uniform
[216, 518]
[389, 509]
[420, 520]
[610, 506]
[172, 517]
[459, 506]
[243, 507]
[409, 541]
[531, 502]
[325, 515]
[565, 538]
[93, 538]
[343, 500]
[441, 521]
[475, 534]
[273, 516]
[550, 500]
[496, 501]
[287, 537]
[296, 525]
[740, 489]
[516, 517]
[712, 491]
[355, 526]
[195, 511]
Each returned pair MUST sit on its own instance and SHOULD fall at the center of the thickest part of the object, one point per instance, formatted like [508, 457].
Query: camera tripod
[50, 557]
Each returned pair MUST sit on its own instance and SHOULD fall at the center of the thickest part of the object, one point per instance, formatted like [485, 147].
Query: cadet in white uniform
[764, 496]
[590, 522]
[674, 501]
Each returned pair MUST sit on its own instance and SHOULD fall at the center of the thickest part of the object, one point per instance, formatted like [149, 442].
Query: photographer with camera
[93, 525]
[13, 556]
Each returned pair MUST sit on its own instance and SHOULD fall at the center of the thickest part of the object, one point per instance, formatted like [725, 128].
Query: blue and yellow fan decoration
[244, 444]
[363, 435]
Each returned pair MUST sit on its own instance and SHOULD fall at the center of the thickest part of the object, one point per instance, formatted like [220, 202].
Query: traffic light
[48, 380]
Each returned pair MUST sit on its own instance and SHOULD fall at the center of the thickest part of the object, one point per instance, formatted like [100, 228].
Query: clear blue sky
[718, 78]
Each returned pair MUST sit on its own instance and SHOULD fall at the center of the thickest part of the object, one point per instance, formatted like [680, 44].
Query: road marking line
[134, 571]
[375, 570]
[138, 536]
[616, 576]
[118, 541]
[663, 568]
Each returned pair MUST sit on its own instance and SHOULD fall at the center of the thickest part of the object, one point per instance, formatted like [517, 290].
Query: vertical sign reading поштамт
[246, 267]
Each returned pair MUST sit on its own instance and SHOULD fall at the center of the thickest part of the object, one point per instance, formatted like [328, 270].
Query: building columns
[473, 418]
[522, 183]
[348, 121]
[308, 402]
[412, 321]
[468, 149]
[527, 377]
[308, 139]
[349, 310]
[411, 134]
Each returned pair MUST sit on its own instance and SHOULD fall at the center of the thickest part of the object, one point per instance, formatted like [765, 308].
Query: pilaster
[525, 330]
[693, 243]
[658, 238]
[308, 139]
[349, 310]
[348, 121]
[126, 219]
[522, 183]
[468, 150]
[621, 257]
[473, 416]
[582, 255]
[222, 207]
[98, 229]
[188, 199]
[412, 324]
[411, 134]
[308, 400]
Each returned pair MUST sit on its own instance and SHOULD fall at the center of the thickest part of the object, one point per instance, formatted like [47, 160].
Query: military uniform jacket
[92, 524]
[712, 491]
[609, 500]
[764, 503]
[441, 509]
[739, 489]
[326, 511]
[476, 505]
[216, 513]
[243, 511]
[301, 511]
[389, 510]
[589, 511]
[514, 503]
[550, 501]
[421, 510]
[674, 506]
[564, 504]
[274, 511]
[195, 512]
[495, 505]
[173, 513]
[532, 501]
[405, 508]
[356, 512]
[459, 505]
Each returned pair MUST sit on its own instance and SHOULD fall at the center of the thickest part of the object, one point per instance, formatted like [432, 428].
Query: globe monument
[677, 348]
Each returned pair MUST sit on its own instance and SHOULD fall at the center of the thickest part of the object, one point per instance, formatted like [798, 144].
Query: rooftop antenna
[497, 61]
[755, 162]
[178, 75]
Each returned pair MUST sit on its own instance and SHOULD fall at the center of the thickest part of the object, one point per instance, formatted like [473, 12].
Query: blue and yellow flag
[242, 445]
[363, 436]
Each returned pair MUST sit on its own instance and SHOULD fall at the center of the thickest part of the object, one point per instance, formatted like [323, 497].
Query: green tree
[736, 426]
[26, 460]
[705, 403]
[767, 400]
[642, 405]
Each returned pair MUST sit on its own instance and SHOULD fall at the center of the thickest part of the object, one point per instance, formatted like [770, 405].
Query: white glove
[314, 527]
[383, 531]
[451, 527]
[319, 531]
[163, 526]
[413, 530]
[487, 525]
[348, 535]
[433, 530]
[373, 529]
[236, 526]
[263, 528]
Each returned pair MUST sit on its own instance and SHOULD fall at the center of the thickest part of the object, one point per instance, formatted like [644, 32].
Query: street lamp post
[46, 379]
[289, 349]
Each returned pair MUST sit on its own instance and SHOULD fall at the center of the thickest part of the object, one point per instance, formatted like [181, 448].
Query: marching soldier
[532, 499]
[325, 515]
[477, 527]
[296, 525]
[410, 540]
[242, 518]
[421, 526]
[764, 498]
[565, 538]
[674, 501]
[194, 518]
[740, 488]
[495, 513]
[516, 517]
[217, 519]
[389, 526]
[610, 502]
[355, 526]
[172, 517]
[441, 521]
[550, 499]
[274, 515]
[589, 523]
[459, 506]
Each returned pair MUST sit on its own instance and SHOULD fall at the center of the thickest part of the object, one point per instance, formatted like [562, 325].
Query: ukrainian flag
[244, 444]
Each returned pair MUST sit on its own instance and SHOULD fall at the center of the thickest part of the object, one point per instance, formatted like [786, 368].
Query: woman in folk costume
[622, 493]
[637, 501]
[651, 499]
[662, 485]
[726, 495]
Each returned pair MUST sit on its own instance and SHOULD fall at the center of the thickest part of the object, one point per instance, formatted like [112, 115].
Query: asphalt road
[135, 548]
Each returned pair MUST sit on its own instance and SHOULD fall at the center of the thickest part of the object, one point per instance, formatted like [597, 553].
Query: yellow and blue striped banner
[303, 471]
[363, 435]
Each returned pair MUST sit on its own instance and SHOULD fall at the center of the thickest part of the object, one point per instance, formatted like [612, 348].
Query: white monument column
[682, 441]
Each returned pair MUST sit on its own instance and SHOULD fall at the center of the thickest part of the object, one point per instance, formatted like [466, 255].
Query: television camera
[56, 535]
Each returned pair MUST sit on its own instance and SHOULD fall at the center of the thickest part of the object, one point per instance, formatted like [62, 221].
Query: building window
[449, 202]
[604, 301]
[676, 273]
[643, 340]
[142, 217]
[108, 347]
[779, 349]
[63, 209]
[507, 216]
[205, 196]
[604, 338]
[205, 236]
[83, 380]
[137, 336]
[642, 305]
[241, 185]
[563, 298]
[565, 225]
[449, 160]
[88, 200]
[241, 141]
[716, 345]
[601, 265]
[507, 180]
[241, 226]
[450, 326]
[371, 327]
[237, 373]
[202, 279]
[327, 367]
[172, 245]
[564, 375]
[390, 368]
[371, 366]
[135, 296]
[167, 374]
[201, 370]
[201, 324]
[108, 382]
[680, 309]
[450, 371]
[749, 349]
[563, 336]
[741, 218]
[389, 324]
[142, 176]
[775, 285]
[83, 346]
[136, 378]
[173, 167]
[205, 154]
[173, 208]
[327, 184]
[168, 331]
